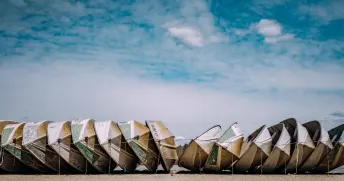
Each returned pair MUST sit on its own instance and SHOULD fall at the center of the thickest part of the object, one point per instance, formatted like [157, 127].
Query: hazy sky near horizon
[189, 63]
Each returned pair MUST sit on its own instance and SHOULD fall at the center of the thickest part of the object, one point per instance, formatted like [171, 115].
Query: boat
[7, 161]
[164, 140]
[11, 141]
[335, 158]
[254, 150]
[301, 146]
[141, 142]
[35, 140]
[323, 146]
[197, 151]
[113, 142]
[85, 139]
[225, 151]
[60, 140]
[280, 154]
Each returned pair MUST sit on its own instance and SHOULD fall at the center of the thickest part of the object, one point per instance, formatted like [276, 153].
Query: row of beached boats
[88, 146]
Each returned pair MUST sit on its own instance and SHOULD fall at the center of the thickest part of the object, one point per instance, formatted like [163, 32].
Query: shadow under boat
[113, 142]
[141, 142]
[254, 151]
[225, 151]
[85, 139]
[164, 140]
[197, 151]
[280, 153]
[323, 146]
[301, 146]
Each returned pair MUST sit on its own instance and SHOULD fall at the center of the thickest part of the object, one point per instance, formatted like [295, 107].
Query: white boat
[113, 142]
[141, 142]
[254, 151]
[280, 154]
[35, 140]
[60, 140]
[301, 146]
[7, 161]
[164, 140]
[11, 141]
[85, 139]
[196, 153]
[323, 146]
[225, 151]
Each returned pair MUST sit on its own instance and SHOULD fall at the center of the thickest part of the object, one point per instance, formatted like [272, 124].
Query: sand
[168, 177]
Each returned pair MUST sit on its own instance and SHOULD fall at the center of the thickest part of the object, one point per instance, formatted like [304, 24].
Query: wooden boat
[11, 141]
[85, 139]
[35, 140]
[196, 153]
[60, 140]
[113, 142]
[280, 153]
[322, 143]
[225, 151]
[7, 161]
[301, 147]
[141, 142]
[164, 140]
[254, 151]
[335, 158]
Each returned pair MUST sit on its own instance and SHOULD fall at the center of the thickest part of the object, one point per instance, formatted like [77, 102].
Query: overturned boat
[322, 143]
[164, 140]
[335, 157]
[280, 153]
[141, 142]
[7, 161]
[301, 146]
[85, 139]
[196, 153]
[60, 140]
[35, 140]
[113, 142]
[254, 151]
[11, 141]
[225, 151]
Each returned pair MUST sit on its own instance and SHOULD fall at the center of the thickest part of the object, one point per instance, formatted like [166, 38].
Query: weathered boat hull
[7, 161]
[196, 153]
[141, 142]
[12, 143]
[280, 153]
[113, 142]
[335, 158]
[84, 138]
[323, 146]
[225, 151]
[254, 151]
[35, 140]
[301, 146]
[164, 140]
[60, 140]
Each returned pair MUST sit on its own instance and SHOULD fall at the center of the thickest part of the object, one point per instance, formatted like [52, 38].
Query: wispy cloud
[272, 31]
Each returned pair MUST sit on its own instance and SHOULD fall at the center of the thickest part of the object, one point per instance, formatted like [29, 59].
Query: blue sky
[189, 62]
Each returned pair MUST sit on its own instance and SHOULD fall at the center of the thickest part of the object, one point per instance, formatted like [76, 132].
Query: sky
[191, 64]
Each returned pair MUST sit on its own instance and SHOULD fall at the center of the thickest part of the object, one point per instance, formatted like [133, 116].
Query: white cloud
[188, 34]
[272, 31]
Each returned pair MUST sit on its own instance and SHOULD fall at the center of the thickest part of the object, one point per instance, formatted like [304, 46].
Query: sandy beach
[168, 177]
